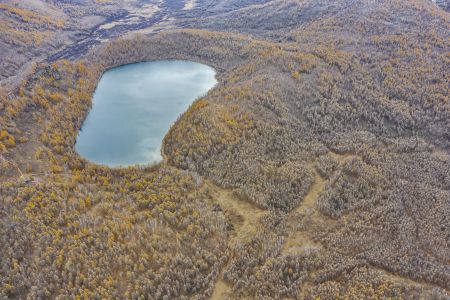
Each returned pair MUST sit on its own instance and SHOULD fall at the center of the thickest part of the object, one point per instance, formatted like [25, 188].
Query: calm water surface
[135, 105]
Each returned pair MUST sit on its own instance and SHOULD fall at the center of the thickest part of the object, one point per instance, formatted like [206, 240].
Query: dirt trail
[245, 219]
[309, 220]
[221, 289]
[244, 216]
[307, 217]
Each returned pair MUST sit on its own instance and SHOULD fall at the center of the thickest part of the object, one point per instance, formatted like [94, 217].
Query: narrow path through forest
[244, 216]
[300, 240]
[306, 219]
[308, 215]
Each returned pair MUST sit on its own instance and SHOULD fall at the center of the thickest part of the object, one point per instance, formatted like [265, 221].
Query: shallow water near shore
[134, 106]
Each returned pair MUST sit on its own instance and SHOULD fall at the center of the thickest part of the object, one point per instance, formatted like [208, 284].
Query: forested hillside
[317, 168]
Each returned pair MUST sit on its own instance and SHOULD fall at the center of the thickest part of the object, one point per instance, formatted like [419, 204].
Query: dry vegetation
[318, 167]
[33, 30]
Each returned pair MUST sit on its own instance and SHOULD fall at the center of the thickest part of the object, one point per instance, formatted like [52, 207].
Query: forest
[317, 168]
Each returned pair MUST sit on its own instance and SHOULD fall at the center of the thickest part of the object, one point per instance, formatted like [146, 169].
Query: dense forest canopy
[317, 168]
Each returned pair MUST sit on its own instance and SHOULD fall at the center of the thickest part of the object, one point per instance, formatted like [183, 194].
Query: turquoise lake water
[135, 105]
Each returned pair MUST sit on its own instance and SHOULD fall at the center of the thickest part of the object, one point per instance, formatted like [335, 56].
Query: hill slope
[319, 166]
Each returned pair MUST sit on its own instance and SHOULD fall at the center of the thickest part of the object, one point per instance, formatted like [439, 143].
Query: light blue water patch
[135, 105]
